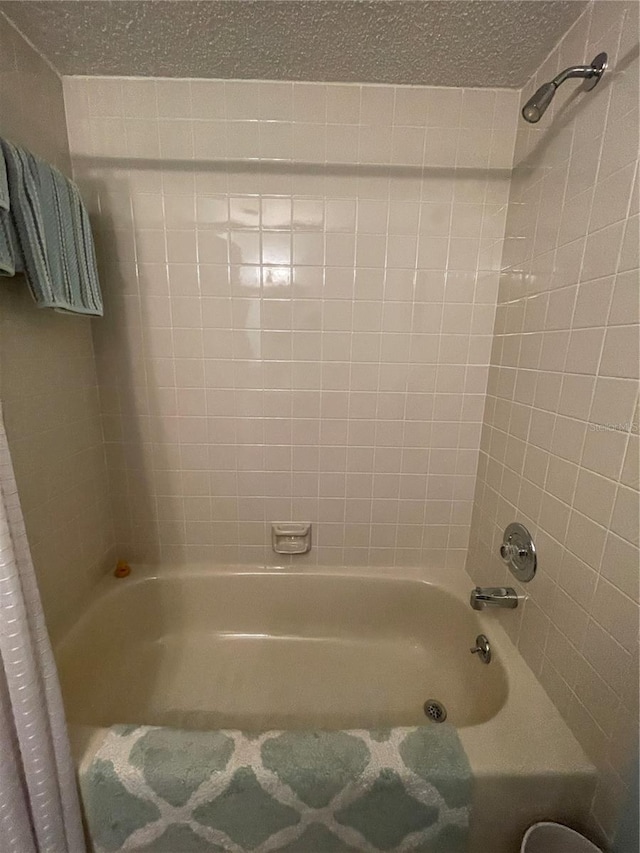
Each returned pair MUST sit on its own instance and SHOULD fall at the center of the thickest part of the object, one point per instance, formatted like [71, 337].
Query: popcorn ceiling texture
[48, 377]
[493, 43]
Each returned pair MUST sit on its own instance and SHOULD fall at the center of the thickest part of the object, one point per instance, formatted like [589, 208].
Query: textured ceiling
[432, 42]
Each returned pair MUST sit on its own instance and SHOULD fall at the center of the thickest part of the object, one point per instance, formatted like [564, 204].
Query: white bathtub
[197, 647]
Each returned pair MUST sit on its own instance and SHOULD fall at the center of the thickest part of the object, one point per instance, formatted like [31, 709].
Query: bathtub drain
[435, 711]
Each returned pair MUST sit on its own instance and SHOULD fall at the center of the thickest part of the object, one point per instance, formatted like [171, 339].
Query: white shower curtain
[39, 810]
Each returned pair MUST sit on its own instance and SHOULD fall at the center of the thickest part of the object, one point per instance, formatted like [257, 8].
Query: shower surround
[559, 447]
[300, 283]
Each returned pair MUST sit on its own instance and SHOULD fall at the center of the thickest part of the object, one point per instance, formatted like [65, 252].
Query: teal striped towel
[45, 231]
[8, 247]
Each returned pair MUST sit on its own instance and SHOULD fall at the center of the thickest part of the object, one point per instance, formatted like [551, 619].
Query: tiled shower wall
[300, 285]
[48, 381]
[560, 440]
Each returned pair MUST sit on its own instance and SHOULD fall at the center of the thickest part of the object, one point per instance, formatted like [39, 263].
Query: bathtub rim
[526, 737]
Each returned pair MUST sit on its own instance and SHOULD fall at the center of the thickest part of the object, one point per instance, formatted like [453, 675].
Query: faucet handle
[508, 552]
[518, 551]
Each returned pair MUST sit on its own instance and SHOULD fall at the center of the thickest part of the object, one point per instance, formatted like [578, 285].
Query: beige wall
[300, 283]
[47, 377]
[560, 439]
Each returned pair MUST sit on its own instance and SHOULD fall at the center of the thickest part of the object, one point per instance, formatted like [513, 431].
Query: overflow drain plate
[435, 711]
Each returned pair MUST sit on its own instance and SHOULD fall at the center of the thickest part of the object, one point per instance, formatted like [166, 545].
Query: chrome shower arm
[584, 71]
[535, 107]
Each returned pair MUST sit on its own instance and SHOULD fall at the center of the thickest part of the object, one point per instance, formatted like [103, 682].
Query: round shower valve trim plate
[519, 552]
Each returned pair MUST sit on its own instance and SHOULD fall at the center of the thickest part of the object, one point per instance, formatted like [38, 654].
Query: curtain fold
[39, 808]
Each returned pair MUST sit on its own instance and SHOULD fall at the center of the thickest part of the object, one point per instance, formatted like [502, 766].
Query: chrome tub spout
[493, 596]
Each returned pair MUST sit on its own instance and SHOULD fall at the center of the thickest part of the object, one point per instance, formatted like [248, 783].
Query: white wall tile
[348, 291]
[566, 351]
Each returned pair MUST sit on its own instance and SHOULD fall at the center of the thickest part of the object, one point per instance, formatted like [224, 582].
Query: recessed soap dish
[291, 537]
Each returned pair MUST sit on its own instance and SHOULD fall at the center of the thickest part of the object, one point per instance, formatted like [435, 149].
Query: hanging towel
[4, 185]
[8, 248]
[45, 231]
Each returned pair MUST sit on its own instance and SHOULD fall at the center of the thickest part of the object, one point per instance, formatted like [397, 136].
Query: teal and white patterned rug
[171, 791]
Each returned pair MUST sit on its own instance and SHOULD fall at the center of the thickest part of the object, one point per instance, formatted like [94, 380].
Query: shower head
[535, 107]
